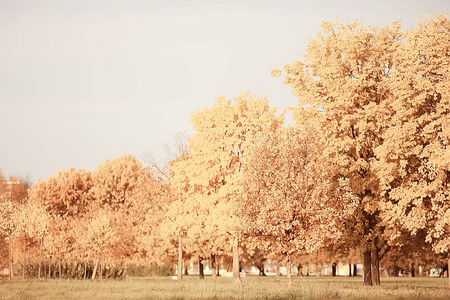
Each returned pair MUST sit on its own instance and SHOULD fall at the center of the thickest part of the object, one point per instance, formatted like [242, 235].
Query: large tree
[415, 156]
[291, 203]
[381, 98]
[343, 84]
[209, 177]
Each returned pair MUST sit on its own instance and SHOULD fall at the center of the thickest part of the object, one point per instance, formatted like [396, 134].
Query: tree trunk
[40, 258]
[355, 270]
[213, 266]
[299, 270]
[236, 273]
[412, 272]
[448, 268]
[50, 268]
[95, 270]
[333, 269]
[180, 258]
[24, 266]
[375, 264]
[100, 273]
[85, 269]
[288, 271]
[11, 273]
[350, 270]
[367, 268]
[201, 275]
[59, 268]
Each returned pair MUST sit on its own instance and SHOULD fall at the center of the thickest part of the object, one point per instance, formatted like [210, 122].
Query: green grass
[223, 288]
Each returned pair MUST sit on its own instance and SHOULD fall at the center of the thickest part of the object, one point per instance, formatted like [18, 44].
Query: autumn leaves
[384, 104]
[291, 202]
[366, 167]
[249, 178]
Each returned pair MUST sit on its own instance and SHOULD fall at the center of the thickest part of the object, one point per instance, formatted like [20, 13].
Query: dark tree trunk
[367, 268]
[201, 275]
[85, 269]
[355, 270]
[444, 271]
[299, 270]
[350, 270]
[412, 271]
[333, 269]
[261, 271]
[396, 271]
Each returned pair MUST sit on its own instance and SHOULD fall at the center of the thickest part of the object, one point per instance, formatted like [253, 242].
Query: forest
[360, 177]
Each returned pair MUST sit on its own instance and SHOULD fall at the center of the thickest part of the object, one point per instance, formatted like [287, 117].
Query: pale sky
[88, 80]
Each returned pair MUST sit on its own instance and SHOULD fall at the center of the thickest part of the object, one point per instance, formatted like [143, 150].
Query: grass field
[223, 288]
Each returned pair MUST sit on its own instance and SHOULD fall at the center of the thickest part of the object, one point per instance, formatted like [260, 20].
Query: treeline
[362, 176]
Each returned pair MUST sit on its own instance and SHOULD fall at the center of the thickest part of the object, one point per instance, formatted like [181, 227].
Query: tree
[67, 198]
[32, 221]
[100, 237]
[291, 202]
[65, 194]
[344, 86]
[130, 192]
[60, 241]
[8, 224]
[115, 182]
[415, 155]
[209, 177]
[13, 191]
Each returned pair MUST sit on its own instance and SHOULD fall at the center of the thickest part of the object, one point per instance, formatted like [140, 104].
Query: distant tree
[8, 224]
[13, 192]
[115, 182]
[67, 198]
[101, 237]
[65, 194]
[60, 241]
[32, 221]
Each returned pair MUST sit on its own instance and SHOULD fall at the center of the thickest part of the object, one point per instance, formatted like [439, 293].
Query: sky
[85, 81]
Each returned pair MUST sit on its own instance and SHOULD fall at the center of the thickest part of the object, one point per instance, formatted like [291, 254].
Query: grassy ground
[223, 288]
